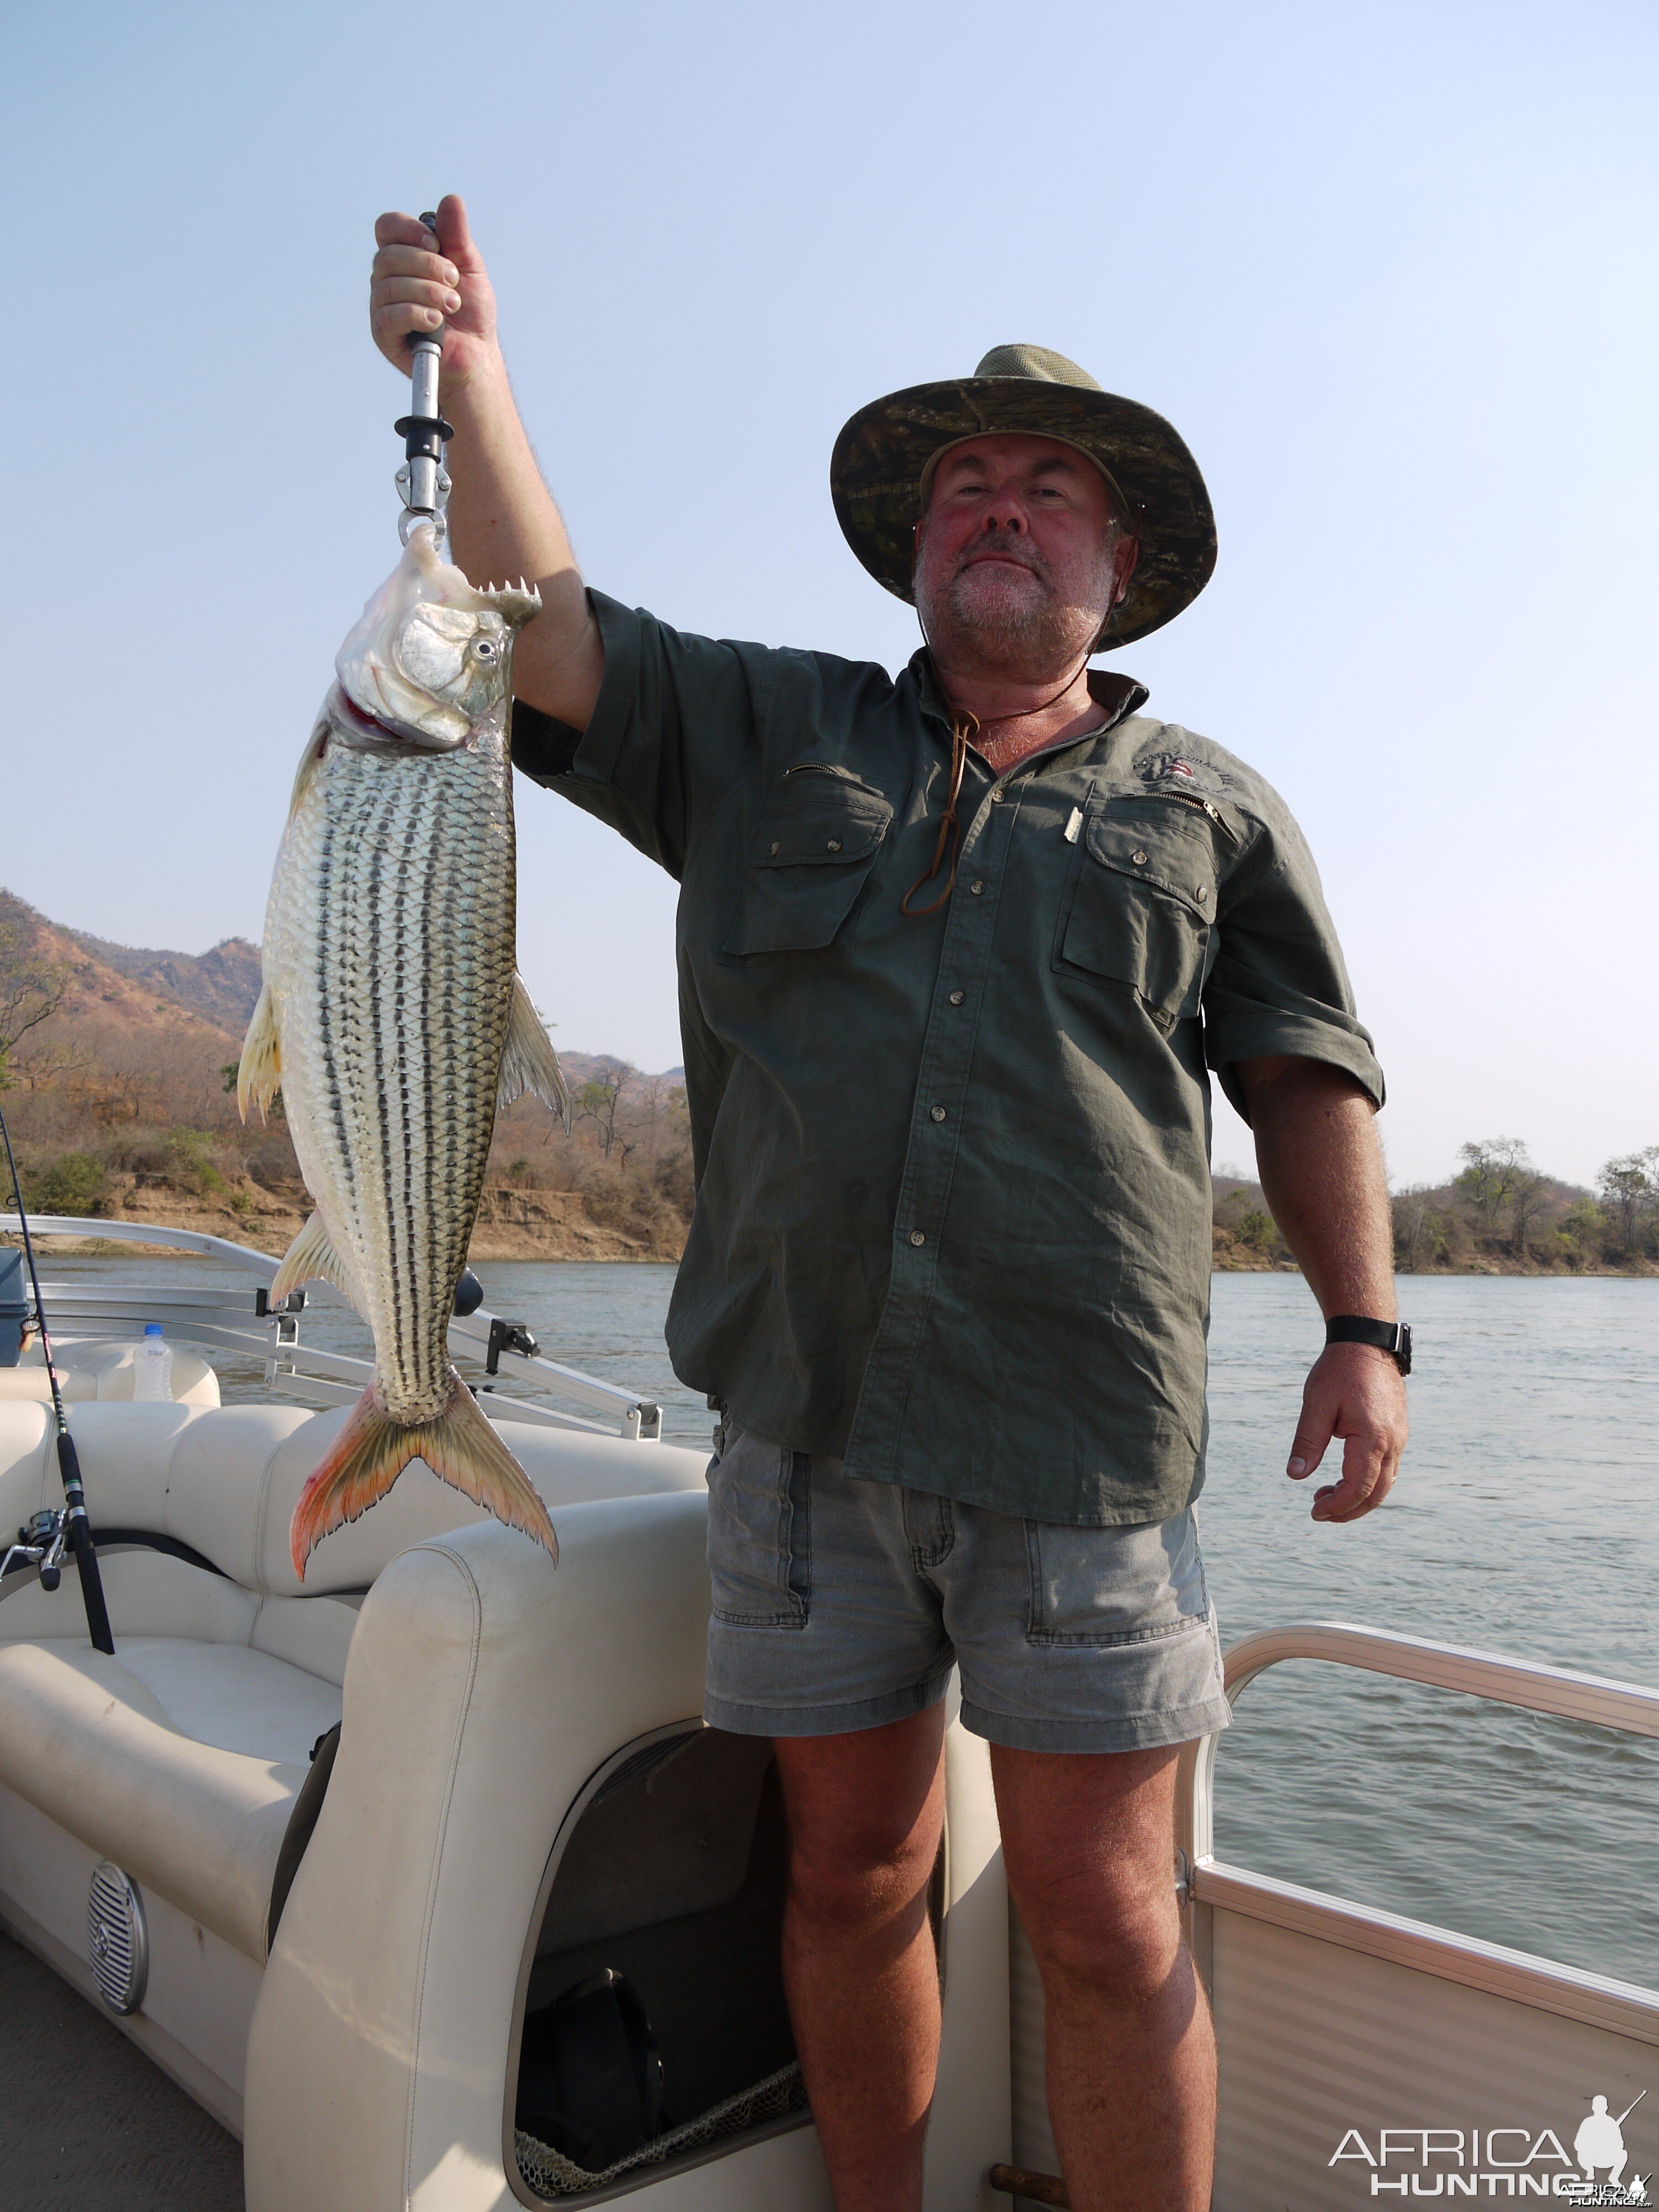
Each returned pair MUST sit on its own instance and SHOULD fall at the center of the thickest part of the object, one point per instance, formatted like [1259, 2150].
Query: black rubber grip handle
[86, 1557]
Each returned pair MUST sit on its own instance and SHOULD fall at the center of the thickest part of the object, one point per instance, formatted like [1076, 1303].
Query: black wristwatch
[1394, 1337]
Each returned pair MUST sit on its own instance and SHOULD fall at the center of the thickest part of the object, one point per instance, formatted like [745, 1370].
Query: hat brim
[876, 469]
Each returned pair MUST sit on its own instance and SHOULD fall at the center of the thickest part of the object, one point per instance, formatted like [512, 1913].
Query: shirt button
[834, 844]
[776, 847]
[938, 1113]
[1201, 894]
[916, 1236]
[977, 885]
[956, 996]
[1140, 858]
[996, 796]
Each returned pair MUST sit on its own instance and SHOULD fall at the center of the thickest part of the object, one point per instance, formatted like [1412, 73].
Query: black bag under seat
[590, 2080]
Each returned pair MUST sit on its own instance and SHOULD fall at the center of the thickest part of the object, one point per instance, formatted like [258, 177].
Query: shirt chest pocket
[1139, 915]
[808, 860]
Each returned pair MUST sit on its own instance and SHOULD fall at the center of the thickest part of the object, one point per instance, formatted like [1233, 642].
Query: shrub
[75, 1183]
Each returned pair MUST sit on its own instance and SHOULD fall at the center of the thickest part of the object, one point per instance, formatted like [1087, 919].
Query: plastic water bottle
[152, 1367]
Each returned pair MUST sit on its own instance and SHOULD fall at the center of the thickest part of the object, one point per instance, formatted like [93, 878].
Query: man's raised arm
[502, 521]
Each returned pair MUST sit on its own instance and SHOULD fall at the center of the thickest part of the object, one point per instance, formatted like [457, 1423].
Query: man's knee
[1119, 1938]
[866, 1871]
[864, 1814]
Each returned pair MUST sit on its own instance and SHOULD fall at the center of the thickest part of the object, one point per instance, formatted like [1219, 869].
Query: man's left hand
[1356, 1392]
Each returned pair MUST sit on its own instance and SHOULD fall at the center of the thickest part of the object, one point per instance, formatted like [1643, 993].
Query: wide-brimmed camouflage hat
[883, 459]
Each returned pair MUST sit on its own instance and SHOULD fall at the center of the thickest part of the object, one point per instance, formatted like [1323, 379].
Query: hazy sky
[1389, 269]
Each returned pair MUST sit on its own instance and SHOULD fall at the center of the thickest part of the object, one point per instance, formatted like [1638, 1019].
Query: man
[953, 950]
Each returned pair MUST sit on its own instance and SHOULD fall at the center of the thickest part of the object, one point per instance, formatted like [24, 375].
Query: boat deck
[87, 2123]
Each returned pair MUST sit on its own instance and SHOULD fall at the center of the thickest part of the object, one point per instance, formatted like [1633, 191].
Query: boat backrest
[90, 1369]
[225, 1479]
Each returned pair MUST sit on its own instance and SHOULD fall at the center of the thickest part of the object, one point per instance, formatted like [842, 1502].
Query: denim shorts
[842, 1604]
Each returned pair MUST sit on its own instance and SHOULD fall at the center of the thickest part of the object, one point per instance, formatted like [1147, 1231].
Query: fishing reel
[41, 1542]
[423, 480]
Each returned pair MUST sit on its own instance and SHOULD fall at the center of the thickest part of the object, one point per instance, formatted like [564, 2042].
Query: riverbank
[519, 1224]
[514, 1224]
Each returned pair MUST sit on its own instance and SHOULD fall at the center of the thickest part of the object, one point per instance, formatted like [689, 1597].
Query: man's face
[1019, 557]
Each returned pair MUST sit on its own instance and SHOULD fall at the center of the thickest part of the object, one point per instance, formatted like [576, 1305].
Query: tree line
[1501, 1206]
[1499, 1213]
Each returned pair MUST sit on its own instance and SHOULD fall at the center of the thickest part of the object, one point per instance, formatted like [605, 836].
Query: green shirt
[953, 1199]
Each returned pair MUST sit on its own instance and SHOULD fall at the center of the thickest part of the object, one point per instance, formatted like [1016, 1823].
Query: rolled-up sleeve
[1278, 985]
[675, 716]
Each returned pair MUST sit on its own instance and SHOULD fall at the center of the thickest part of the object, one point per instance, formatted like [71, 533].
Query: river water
[1526, 1523]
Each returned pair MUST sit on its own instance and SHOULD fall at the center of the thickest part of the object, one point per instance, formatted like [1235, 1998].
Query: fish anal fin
[372, 1450]
[313, 1257]
[259, 1071]
[529, 1062]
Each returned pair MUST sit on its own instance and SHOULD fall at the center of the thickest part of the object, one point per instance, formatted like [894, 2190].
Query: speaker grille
[117, 1942]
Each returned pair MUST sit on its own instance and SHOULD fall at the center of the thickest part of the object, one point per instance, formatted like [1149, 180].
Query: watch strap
[1394, 1337]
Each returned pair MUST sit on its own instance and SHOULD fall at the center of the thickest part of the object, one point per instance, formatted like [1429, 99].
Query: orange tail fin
[373, 1450]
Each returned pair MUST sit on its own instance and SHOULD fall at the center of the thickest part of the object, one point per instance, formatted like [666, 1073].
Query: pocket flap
[1159, 853]
[821, 829]
[810, 859]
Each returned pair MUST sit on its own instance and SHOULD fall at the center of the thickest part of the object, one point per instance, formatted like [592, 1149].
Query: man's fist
[419, 282]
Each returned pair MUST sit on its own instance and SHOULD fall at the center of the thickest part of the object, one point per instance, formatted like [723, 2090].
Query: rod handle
[86, 1557]
[428, 337]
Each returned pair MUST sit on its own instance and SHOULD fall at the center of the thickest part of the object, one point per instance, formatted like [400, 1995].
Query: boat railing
[1207, 1885]
[243, 1320]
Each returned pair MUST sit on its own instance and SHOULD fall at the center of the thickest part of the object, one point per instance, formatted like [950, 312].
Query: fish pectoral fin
[312, 1257]
[259, 1072]
[372, 1450]
[310, 760]
[529, 1061]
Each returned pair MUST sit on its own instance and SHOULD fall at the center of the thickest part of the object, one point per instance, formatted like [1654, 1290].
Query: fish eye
[483, 648]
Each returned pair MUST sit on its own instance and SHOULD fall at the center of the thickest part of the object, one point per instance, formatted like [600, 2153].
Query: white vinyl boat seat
[95, 1371]
[182, 1756]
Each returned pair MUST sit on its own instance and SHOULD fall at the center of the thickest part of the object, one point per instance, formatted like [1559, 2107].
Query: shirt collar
[1117, 696]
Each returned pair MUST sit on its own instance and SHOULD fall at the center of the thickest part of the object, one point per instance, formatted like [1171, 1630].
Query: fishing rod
[42, 1542]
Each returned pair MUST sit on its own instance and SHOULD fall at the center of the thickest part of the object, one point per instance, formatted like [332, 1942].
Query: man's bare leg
[1088, 1843]
[865, 1815]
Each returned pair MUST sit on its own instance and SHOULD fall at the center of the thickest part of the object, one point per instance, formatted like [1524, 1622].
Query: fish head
[428, 660]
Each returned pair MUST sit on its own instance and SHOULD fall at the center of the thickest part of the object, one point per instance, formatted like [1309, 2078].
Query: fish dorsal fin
[529, 1062]
[314, 1257]
[259, 1075]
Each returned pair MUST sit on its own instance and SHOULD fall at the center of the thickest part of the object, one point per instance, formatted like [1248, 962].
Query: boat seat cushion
[233, 1697]
[95, 1743]
[181, 1756]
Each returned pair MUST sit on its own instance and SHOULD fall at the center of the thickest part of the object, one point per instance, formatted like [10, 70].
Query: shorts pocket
[1101, 1586]
[760, 1532]
[1140, 912]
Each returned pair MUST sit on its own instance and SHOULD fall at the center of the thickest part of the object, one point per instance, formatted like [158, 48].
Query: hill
[222, 985]
[119, 1064]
